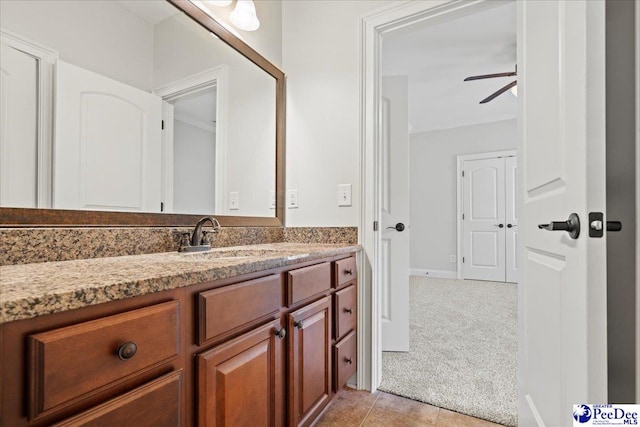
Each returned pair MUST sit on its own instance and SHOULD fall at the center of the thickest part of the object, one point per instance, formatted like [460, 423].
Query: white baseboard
[440, 274]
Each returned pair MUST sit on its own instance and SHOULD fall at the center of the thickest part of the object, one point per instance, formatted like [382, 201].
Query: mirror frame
[37, 217]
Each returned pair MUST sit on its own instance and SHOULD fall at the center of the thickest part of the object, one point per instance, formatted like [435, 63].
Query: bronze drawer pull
[349, 360]
[349, 272]
[298, 324]
[127, 350]
[281, 333]
[348, 310]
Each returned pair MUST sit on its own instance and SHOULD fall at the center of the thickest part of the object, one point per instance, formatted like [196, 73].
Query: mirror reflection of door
[18, 143]
[194, 151]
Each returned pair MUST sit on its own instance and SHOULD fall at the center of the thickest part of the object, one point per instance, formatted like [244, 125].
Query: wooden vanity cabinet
[108, 364]
[241, 382]
[268, 348]
[138, 407]
[345, 303]
[309, 361]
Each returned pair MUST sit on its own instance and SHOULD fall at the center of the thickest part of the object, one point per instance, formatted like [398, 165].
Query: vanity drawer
[306, 282]
[71, 363]
[345, 308]
[345, 360]
[345, 271]
[155, 404]
[237, 307]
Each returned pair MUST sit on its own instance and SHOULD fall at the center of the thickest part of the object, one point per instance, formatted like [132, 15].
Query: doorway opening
[443, 121]
[194, 143]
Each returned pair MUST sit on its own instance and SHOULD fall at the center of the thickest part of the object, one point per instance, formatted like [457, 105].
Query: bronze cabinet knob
[348, 360]
[281, 333]
[298, 324]
[127, 350]
[348, 310]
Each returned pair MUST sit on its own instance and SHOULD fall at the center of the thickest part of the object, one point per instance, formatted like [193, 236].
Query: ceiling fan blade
[499, 92]
[491, 76]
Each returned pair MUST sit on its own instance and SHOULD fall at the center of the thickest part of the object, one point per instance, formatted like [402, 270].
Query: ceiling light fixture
[244, 16]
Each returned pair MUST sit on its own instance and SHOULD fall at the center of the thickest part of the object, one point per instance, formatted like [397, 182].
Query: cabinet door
[310, 361]
[240, 383]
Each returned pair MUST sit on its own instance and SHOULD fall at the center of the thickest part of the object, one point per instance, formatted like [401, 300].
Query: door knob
[499, 225]
[511, 225]
[398, 227]
[571, 226]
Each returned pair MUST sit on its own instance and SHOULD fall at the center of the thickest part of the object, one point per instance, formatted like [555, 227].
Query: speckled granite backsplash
[30, 245]
[344, 235]
[33, 245]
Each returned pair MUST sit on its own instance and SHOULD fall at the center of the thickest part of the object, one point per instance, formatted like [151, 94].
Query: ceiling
[152, 12]
[437, 57]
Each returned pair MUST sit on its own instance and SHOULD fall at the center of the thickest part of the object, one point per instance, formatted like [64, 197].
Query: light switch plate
[272, 199]
[344, 195]
[292, 199]
[234, 201]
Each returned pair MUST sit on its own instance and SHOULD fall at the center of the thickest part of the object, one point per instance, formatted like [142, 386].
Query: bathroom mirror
[139, 113]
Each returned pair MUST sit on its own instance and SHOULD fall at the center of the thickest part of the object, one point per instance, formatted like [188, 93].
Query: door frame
[213, 77]
[460, 196]
[372, 27]
[637, 74]
[47, 59]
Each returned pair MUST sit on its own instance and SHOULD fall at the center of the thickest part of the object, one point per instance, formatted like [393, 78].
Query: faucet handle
[184, 240]
[216, 225]
[205, 238]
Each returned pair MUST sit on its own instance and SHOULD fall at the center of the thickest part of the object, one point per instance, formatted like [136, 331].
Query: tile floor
[353, 408]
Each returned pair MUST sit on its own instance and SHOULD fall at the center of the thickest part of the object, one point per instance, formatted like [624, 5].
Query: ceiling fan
[491, 76]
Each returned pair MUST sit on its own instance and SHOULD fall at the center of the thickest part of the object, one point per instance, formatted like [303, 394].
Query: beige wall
[320, 56]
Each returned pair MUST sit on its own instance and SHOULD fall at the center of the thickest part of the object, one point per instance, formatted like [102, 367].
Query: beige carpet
[464, 346]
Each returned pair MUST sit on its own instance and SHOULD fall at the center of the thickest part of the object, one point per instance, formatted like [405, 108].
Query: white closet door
[484, 220]
[18, 129]
[108, 147]
[511, 218]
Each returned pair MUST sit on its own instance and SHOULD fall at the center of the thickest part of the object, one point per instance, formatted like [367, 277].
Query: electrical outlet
[234, 201]
[344, 195]
[272, 199]
[452, 258]
[292, 199]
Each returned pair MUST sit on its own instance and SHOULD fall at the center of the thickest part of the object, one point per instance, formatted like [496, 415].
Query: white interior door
[562, 314]
[18, 128]
[394, 186]
[511, 219]
[484, 225]
[108, 147]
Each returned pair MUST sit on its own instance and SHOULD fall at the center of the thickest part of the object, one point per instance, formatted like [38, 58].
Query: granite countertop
[31, 290]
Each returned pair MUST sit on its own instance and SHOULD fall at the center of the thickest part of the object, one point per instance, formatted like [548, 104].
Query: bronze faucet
[199, 240]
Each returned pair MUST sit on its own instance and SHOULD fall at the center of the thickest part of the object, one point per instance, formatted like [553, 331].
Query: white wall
[320, 56]
[266, 40]
[433, 186]
[89, 34]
